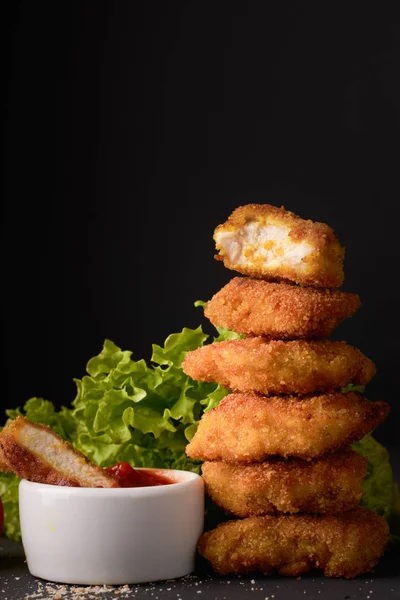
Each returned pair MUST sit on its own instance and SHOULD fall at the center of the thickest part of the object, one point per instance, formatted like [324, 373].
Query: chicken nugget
[344, 545]
[279, 310]
[278, 367]
[327, 485]
[35, 452]
[272, 243]
[248, 428]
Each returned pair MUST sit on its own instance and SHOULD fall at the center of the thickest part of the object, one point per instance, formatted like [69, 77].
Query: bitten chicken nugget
[279, 310]
[277, 367]
[274, 244]
[248, 428]
[327, 485]
[37, 453]
[344, 545]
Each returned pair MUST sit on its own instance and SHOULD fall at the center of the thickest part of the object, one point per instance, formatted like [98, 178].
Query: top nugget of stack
[274, 244]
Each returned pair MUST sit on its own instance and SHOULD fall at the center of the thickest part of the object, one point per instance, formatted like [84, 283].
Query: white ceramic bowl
[97, 536]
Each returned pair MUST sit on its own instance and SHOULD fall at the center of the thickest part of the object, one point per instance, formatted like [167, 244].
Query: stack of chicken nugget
[276, 450]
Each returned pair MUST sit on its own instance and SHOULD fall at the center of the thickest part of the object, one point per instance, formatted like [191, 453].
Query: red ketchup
[129, 477]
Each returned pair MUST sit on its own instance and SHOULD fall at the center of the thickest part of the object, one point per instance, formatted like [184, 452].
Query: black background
[132, 129]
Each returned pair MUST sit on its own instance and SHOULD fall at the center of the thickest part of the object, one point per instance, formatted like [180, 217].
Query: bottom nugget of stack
[343, 545]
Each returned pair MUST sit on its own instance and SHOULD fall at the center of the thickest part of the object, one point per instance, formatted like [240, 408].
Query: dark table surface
[16, 583]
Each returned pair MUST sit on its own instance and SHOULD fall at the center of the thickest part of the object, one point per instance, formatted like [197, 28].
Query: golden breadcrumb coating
[4, 466]
[278, 367]
[330, 484]
[344, 545]
[36, 453]
[248, 428]
[279, 310]
[272, 243]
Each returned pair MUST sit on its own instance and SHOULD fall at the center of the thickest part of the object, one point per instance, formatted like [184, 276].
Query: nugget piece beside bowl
[254, 307]
[328, 485]
[37, 453]
[248, 428]
[278, 367]
[272, 243]
[344, 545]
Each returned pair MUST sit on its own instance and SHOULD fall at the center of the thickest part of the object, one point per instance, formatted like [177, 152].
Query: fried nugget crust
[278, 367]
[248, 428]
[35, 452]
[4, 466]
[344, 545]
[272, 243]
[254, 307]
[327, 485]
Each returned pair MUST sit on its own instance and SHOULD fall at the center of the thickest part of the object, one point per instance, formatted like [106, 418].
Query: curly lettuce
[379, 491]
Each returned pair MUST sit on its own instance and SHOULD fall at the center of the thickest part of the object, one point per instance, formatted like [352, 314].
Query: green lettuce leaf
[354, 388]
[379, 490]
[9, 496]
[143, 414]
